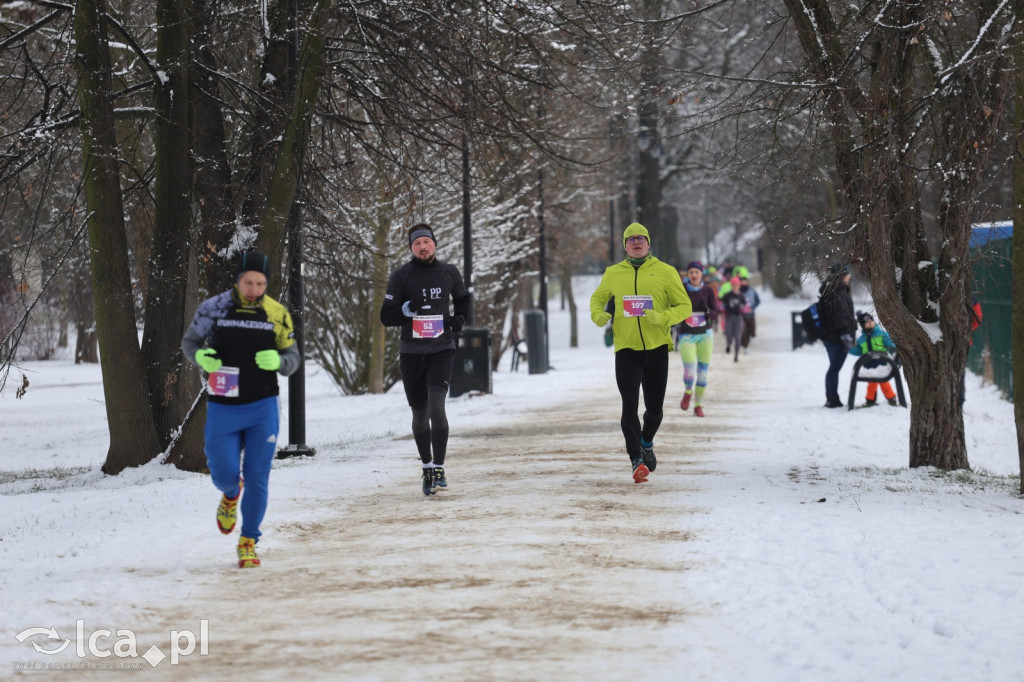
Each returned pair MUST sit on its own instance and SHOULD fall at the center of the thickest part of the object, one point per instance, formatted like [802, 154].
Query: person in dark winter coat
[749, 312]
[733, 304]
[416, 300]
[838, 325]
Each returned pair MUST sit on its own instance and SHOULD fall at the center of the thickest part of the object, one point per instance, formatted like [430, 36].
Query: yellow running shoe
[227, 511]
[247, 553]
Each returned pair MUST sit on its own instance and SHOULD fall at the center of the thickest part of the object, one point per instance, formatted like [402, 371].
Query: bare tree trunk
[570, 298]
[170, 396]
[284, 186]
[649, 209]
[213, 188]
[378, 334]
[81, 309]
[270, 120]
[133, 437]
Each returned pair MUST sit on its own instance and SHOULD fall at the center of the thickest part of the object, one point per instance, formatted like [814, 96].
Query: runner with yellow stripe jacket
[242, 339]
[648, 299]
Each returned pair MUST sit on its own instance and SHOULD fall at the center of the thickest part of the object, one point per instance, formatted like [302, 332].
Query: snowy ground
[776, 541]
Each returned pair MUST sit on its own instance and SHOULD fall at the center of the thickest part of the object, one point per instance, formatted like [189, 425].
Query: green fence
[991, 355]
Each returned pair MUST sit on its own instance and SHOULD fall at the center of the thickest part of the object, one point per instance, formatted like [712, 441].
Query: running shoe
[647, 452]
[247, 553]
[227, 511]
[698, 411]
[439, 480]
[685, 403]
[640, 472]
[428, 481]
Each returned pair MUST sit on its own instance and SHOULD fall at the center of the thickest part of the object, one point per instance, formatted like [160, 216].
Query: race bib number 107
[635, 306]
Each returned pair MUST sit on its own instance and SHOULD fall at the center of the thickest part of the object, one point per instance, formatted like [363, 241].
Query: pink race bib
[636, 306]
[696, 320]
[427, 326]
[224, 382]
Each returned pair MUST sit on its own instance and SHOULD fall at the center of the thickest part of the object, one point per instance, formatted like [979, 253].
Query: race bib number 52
[427, 326]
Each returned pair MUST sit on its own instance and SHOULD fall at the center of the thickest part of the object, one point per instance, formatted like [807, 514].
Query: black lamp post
[296, 293]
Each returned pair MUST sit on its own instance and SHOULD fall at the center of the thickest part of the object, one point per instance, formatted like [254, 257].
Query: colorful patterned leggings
[695, 350]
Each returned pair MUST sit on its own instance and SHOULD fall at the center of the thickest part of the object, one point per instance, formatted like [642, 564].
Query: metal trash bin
[471, 370]
[799, 335]
[536, 342]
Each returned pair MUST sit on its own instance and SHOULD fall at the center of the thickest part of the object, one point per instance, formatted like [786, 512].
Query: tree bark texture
[133, 437]
[378, 333]
[214, 191]
[166, 295]
[650, 146]
[284, 185]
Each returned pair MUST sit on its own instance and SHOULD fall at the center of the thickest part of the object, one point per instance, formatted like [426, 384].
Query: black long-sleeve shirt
[423, 284]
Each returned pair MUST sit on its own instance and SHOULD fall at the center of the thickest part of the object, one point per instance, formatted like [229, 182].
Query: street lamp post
[296, 293]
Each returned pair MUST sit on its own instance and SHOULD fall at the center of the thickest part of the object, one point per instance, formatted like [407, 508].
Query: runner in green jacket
[648, 299]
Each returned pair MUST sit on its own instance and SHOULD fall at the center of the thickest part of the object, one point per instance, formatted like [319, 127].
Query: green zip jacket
[653, 278]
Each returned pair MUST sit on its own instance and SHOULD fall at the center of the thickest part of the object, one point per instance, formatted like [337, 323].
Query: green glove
[602, 318]
[269, 360]
[655, 317]
[208, 360]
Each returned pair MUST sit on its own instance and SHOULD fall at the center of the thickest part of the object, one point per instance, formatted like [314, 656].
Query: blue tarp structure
[983, 234]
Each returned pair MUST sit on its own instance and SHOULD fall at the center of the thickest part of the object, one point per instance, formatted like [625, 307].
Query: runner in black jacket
[417, 301]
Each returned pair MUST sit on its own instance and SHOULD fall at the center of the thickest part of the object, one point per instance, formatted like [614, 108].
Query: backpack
[810, 320]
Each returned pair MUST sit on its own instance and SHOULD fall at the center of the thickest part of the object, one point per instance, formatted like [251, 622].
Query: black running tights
[430, 427]
[635, 369]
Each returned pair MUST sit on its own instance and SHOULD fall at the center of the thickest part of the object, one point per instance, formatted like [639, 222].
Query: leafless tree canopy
[143, 144]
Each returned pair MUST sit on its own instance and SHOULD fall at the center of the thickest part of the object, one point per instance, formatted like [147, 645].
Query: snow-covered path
[542, 559]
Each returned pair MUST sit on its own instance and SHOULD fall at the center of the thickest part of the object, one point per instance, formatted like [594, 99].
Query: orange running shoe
[640, 471]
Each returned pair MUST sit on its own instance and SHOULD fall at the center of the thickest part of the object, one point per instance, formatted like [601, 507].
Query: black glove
[456, 324]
